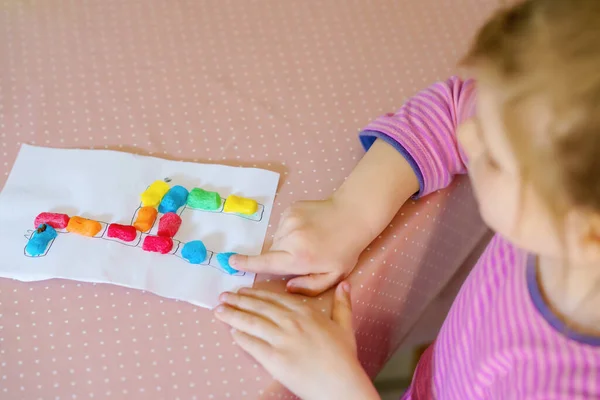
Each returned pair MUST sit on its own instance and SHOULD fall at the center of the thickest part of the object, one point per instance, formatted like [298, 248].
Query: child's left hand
[311, 354]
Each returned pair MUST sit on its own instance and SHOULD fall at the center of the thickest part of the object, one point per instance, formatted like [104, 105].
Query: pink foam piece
[55, 220]
[158, 244]
[169, 224]
[126, 233]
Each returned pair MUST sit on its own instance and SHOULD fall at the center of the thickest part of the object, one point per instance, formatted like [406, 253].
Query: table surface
[279, 85]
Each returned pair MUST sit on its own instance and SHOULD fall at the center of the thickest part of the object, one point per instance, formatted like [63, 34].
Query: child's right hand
[320, 240]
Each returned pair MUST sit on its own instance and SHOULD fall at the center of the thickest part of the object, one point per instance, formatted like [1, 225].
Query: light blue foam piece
[194, 252]
[40, 239]
[223, 259]
[175, 198]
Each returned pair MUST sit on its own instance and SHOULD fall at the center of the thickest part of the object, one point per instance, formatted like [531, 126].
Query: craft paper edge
[43, 278]
[25, 146]
[11, 173]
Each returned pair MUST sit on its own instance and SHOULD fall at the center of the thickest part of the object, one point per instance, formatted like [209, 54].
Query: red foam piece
[55, 220]
[158, 244]
[126, 233]
[169, 224]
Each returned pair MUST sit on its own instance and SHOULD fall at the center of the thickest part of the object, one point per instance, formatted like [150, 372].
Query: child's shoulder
[500, 261]
[502, 250]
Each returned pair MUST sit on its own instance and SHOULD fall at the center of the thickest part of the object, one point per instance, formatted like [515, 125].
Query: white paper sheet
[106, 186]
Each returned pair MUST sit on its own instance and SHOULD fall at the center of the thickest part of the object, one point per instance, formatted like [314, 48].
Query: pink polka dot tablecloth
[282, 85]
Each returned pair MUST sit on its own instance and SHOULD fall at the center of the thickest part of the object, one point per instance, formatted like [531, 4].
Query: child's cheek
[478, 183]
[489, 202]
[469, 140]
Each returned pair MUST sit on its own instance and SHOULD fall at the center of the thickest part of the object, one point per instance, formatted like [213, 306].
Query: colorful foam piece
[175, 198]
[126, 233]
[169, 224]
[223, 259]
[158, 197]
[240, 205]
[83, 226]
[55, 220]
[194, 252]
[157, 244]
[40, 239]
[145, 219]
[201, 199]
[152, 196]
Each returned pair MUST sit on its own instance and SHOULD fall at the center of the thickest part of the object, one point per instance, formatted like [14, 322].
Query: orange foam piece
[83, 226]
[145, 219]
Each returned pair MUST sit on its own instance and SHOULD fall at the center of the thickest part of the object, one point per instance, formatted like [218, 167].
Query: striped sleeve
[424, 132]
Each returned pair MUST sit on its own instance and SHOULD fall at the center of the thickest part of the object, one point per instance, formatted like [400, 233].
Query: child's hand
[321, 240]
[313, 355]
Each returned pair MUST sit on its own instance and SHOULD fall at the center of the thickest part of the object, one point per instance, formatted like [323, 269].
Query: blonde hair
[550, 49]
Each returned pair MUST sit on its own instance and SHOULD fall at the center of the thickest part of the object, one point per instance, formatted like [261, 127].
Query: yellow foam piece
[154, 194]
[240, 205]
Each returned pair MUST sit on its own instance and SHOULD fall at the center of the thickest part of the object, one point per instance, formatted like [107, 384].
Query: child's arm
[411, 152]
[424, 132]
[375, 190]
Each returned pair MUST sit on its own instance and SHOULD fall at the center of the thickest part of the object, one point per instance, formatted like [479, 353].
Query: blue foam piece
[41, 238]
[175, 198]
[223, 259]
[194, 252]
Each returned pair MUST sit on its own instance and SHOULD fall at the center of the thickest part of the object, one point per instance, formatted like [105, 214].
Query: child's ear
[595, 227]
[590, 239]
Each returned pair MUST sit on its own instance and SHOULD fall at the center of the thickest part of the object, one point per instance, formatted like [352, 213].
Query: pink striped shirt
[500, 339]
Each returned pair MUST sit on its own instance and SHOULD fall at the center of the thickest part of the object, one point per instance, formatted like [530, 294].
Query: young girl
[526, 323]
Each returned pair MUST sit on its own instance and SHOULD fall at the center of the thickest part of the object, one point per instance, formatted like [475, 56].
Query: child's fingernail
[233, 330]
[346, 287]
[220, 309]
[233, 261]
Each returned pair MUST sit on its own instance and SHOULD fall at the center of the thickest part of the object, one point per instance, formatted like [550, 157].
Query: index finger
[271, 262]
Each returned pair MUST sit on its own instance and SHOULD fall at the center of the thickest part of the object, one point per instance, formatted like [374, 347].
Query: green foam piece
[204, 200]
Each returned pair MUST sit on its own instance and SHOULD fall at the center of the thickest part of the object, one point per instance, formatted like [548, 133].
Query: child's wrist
[352, 213]
[363, 388]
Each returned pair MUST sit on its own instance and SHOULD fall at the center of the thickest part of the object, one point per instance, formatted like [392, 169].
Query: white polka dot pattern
[275, 84]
